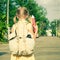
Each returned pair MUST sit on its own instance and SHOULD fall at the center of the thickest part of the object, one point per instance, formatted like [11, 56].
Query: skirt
[22, 57]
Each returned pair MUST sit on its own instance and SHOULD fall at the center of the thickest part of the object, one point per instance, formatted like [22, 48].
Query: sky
[52, 7]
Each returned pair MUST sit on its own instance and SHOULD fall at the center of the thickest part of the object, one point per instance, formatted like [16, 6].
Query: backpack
[21, 41]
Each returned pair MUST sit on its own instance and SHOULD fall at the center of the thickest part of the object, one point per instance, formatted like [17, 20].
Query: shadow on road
[3, 53]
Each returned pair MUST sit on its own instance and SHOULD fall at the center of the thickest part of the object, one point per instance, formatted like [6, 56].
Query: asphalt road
[47, 48]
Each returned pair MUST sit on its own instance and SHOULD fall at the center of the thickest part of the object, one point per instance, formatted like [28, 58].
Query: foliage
[53, 27]
[38, 11]
[3, 29]
[58, 22]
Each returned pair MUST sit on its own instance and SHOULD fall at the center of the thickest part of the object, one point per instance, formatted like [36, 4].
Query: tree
[38, 11]
[3, 29]
[53, 27]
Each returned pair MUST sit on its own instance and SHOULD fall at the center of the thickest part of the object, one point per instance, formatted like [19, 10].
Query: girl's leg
[27, 57]
[13, 57]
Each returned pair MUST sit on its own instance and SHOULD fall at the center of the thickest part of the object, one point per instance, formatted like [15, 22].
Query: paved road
[47, 48]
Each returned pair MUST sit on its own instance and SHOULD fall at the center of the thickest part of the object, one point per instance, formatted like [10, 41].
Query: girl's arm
[13, 28]
[36, 30]
[30, 28]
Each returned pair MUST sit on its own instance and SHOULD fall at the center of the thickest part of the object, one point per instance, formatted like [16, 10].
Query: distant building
[48, 32]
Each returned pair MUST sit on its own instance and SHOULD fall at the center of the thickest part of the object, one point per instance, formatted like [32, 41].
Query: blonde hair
[21, 12]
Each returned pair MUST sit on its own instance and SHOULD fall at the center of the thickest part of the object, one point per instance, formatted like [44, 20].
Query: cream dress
[23, 57]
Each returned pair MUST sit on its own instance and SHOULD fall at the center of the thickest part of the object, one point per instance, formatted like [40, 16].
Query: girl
[22, 13]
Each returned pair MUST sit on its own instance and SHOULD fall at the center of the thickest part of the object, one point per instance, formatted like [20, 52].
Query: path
[47, 48]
